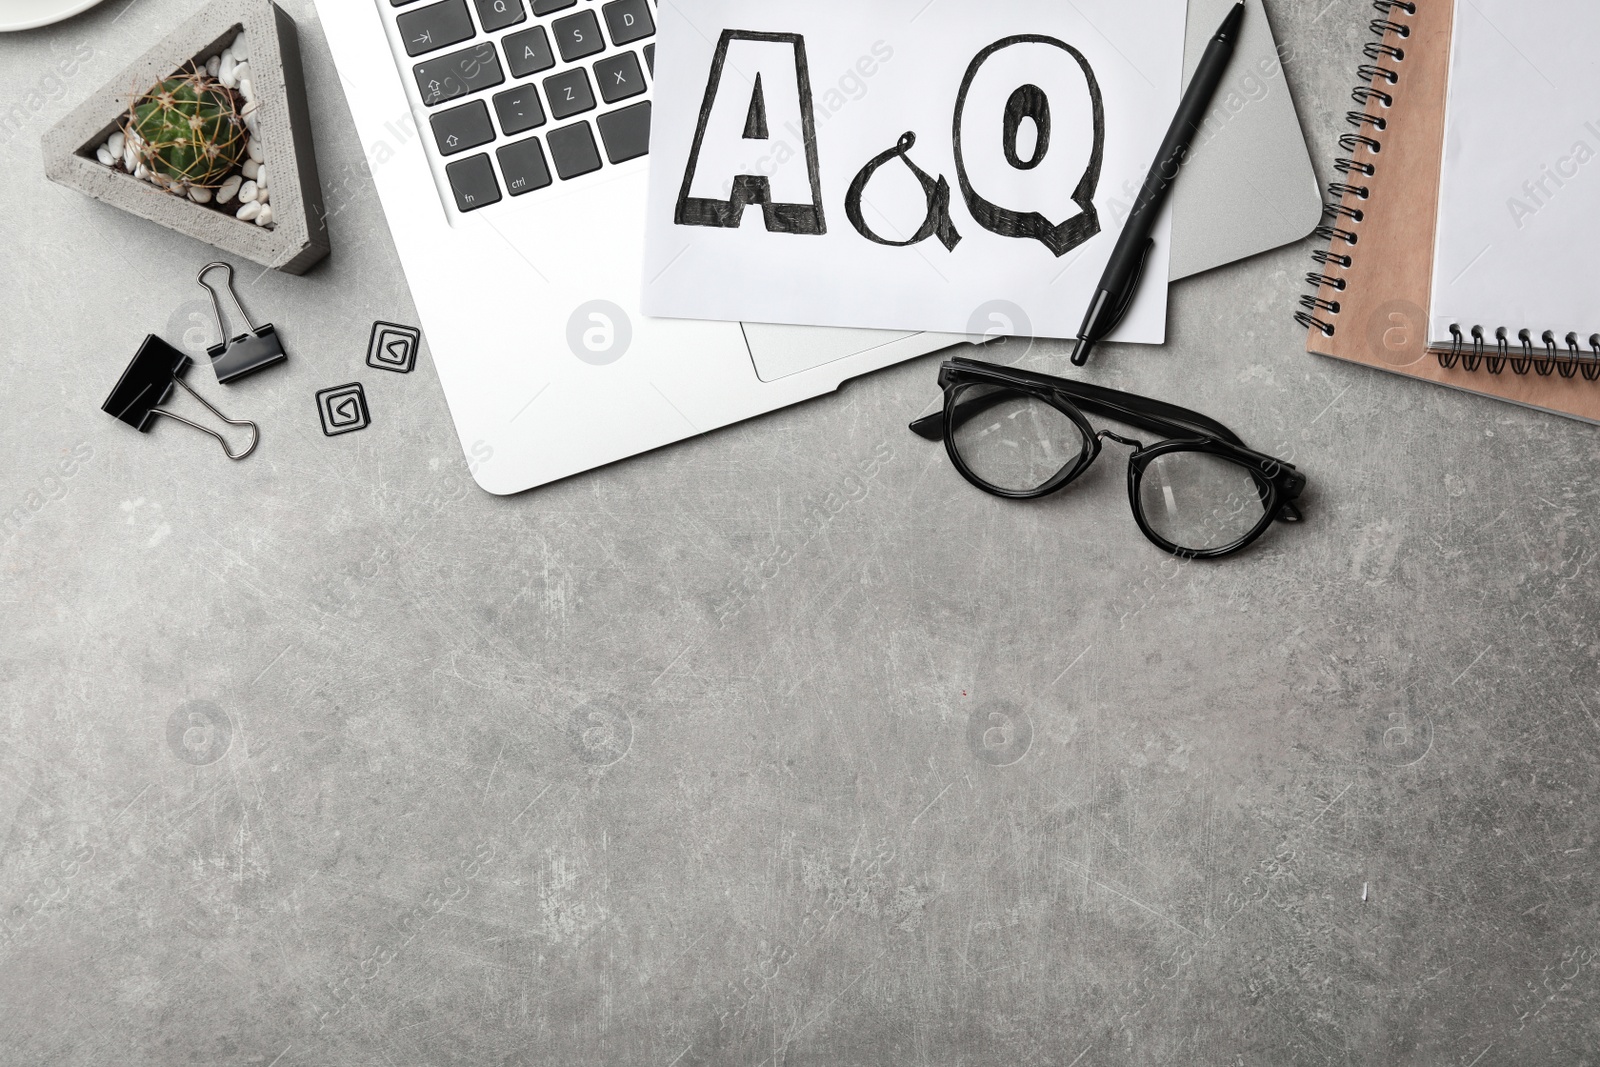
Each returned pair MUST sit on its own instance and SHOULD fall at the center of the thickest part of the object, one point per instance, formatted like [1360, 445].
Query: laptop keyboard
[492, 72]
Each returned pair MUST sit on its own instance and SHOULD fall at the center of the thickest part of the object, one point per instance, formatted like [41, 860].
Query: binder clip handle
[255, 431]
[253, 349]
[216, 305]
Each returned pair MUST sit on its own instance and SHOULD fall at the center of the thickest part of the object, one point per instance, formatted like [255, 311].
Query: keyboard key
[650, 58]
[461, 128]
[458, 73]
[528, 51]
[519, 110]
[435, 26]
[547, 7]
[629, 21]
[498, 14]
[472, 182]
[578, 36]
[572, 148]
[569, 93]
[626, 132]
[523, 166]
[619, 77]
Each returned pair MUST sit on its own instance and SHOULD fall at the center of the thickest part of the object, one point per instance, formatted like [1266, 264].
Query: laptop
[509, 144]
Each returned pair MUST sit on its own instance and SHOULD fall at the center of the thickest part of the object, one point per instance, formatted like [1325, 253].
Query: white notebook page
[1518, 242]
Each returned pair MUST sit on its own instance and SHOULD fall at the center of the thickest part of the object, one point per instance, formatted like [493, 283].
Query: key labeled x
[619, 77]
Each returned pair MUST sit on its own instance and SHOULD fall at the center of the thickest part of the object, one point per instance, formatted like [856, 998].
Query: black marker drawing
[754, 188]
[755, 123]
[937, 221]
[1030, 102]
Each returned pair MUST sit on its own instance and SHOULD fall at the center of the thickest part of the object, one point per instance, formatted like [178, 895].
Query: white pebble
[213, 65]
[254, 149]
[103, 154]
[116, 143]
[262, 194]
[199, 195]
[130, 159]
[240, 48]
[250, 211]
[142, 173]
[229, 190]
[252, 170]
[252, 123]
[225, 69]
[241, 73]
[247, 89]
[247, 192]
[265, 218]
[261, 176]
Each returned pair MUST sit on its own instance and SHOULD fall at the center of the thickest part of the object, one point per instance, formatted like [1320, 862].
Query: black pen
[1121, 280]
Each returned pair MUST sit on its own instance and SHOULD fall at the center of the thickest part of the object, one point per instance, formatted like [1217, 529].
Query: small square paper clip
[255, 349]
[147, 383]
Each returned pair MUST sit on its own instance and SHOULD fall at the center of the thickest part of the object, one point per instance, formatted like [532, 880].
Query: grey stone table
[783, 746]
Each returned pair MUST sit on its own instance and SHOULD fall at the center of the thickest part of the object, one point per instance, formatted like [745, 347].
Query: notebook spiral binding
[1524, 358]
[1379, 81]
[1340, 221]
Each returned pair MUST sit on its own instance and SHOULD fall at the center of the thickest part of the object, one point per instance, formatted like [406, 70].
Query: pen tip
[1080, 351]
[1230, 25]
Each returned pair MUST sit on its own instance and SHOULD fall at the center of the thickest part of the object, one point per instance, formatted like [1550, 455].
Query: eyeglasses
[1199, 493]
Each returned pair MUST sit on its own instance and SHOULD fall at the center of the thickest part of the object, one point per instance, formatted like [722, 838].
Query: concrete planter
[299, 235]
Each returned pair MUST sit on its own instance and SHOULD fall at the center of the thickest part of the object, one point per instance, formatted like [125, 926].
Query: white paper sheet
[881, 75]
[1519, 199]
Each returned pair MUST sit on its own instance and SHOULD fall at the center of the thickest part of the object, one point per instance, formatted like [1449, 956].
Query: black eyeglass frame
[1279, 482]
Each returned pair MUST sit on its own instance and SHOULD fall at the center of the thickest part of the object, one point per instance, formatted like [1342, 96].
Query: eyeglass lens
[1016, 442]
[1201, 502]
[1011, 440]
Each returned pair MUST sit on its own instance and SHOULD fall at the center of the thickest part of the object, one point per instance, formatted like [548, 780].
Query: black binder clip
[255, 349]
[147, 383]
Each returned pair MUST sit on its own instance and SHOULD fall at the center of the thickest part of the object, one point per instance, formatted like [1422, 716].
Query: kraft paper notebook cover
[1401, 267]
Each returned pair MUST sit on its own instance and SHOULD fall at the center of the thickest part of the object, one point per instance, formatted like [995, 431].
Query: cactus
[187, 130]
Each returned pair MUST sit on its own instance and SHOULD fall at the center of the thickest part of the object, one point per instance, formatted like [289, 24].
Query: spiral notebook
[1468, 203]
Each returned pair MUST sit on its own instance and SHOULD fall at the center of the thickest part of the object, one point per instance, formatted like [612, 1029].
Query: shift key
[458, 73]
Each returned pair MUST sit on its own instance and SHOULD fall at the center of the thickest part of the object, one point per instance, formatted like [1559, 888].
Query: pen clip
[1131, 290]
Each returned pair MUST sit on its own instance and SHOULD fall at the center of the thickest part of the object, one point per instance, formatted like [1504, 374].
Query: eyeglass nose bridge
[1119, 439]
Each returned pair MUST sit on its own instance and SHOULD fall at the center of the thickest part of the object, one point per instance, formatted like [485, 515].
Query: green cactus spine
[188, 130]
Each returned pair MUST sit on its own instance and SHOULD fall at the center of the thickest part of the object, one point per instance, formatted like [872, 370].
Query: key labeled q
[1036, 180]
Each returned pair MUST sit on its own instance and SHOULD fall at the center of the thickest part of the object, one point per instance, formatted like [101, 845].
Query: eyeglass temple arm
[1125, 407]
[932, 426]
[1147, 414]
[1141, 411]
